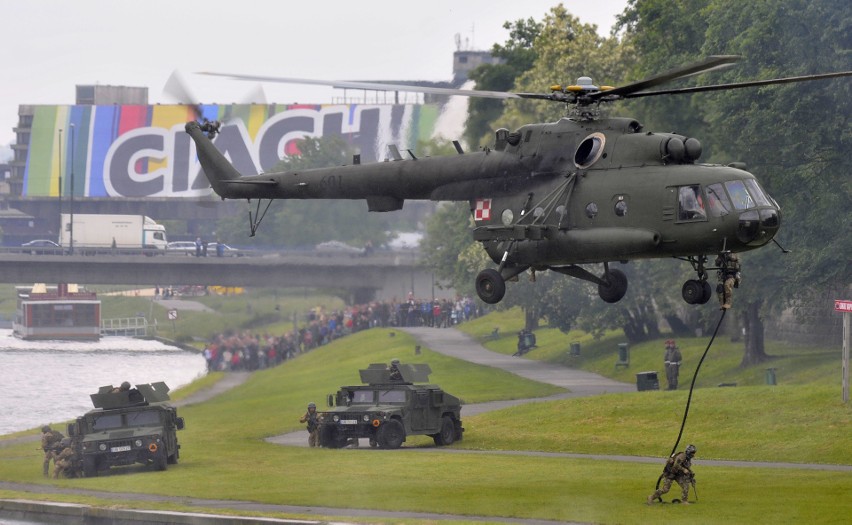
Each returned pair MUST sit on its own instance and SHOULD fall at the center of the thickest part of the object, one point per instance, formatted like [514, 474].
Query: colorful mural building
[142, 150]
[114, 152]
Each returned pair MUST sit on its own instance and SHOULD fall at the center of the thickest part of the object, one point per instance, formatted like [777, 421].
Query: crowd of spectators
[247, 351]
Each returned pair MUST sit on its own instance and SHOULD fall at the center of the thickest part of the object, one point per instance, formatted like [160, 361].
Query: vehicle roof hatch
[377, 373]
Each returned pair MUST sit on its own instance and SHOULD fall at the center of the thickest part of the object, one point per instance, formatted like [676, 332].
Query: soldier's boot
[651, 499]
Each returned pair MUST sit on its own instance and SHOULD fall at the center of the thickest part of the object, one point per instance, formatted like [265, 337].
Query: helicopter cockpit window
[739, 196]
[590, 150]
[755, 191]
[717, 201]
[690, 204]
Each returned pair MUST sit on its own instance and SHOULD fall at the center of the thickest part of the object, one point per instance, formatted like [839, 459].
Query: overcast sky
[52, 46]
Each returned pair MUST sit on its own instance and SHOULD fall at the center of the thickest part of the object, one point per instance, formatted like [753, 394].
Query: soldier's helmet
[394, 362]
[690, 450]
[45, 428]
[312, 405]
[125, 386]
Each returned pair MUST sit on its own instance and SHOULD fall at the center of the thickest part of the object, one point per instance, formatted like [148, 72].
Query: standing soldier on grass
[310, 418]
[672, 361]
[50, 440]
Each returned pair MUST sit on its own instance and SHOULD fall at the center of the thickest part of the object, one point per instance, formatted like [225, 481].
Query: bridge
[380, 275]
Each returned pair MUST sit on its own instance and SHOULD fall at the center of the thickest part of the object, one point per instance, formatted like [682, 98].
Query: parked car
[227, 251]
[188, 248]
[181, 247]
[337, 248]
[41, 246]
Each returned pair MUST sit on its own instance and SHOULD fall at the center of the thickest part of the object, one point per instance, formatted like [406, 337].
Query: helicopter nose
[758, 227]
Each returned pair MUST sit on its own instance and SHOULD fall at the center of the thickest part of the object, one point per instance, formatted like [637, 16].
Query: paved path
[457, 344]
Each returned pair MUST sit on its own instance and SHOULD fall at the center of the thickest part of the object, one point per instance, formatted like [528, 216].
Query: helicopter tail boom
[217, 168]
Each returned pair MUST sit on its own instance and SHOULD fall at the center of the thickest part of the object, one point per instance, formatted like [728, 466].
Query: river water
[48, 382]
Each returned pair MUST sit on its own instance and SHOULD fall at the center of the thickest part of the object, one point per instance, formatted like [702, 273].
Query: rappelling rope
[691, 387]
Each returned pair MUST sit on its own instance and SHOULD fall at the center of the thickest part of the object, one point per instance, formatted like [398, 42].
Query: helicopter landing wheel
[490, 286]
[696, 292]
[707, 292]
[616, 289]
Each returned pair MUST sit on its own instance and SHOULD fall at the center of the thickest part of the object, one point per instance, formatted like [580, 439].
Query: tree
[517, 55]
[795, 137]
[565, 50]
[797, 140]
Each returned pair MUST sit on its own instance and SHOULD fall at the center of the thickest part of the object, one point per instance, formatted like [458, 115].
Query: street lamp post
[71, 203]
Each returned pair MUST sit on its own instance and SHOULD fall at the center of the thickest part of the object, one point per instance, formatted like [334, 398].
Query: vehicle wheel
[706, 292]
[457, 427]
[173, 459]
[161, 462]
[391, 434]
[692, 291]
[90, 467]
[616, 289]
[490, 286]
[447, 434]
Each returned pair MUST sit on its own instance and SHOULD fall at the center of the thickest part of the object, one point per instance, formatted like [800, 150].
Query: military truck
[388, 407]
[127, 426]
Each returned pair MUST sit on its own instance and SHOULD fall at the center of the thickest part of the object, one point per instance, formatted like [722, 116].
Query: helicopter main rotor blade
[738, 85]
[373, 86]
[708, 64]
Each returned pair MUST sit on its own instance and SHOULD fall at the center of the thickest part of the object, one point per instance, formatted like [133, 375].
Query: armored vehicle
[388, 407]
[127, 426]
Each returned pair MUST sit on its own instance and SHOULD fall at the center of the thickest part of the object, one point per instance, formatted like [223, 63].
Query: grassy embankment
[224, 455]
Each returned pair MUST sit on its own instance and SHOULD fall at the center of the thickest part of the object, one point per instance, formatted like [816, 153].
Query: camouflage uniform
[729, 277]
[679, 469]
[65, 461]
[672, 361]
[50, 439]
[310, 418]
[395, 373]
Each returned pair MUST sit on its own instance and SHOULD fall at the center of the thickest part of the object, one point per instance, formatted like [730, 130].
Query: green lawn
[224, 454]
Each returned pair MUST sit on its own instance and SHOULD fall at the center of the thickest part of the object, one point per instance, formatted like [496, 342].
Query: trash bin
[575, 349]
[623, 355]
[770, 376]
[647, 381]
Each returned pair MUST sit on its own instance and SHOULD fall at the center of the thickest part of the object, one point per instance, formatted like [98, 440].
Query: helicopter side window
[739, 196]
[690, 204]
[717, 201]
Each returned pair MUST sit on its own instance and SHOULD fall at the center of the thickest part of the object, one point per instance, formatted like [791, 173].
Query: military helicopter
[554, 196]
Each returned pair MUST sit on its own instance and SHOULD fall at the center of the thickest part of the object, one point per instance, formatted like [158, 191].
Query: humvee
[387, 408]
[127, 427]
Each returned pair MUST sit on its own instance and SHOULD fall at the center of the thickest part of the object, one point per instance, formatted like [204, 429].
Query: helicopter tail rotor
[177, 88]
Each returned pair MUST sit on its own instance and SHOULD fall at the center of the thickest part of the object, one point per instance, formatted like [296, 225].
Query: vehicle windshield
[139, 419]
[362, 397]
[106, 422]
[392, 396]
